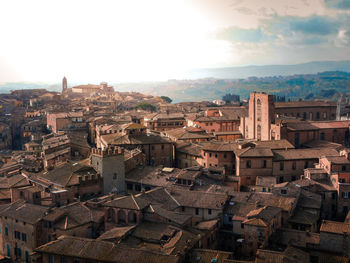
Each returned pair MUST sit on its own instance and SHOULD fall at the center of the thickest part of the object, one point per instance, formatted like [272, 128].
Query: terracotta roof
[189, 148]
[254, 152]
[74, 215]
[102, 251]
[129, 202]
[23, 211]
[116, 233]
[331, 124]
[337, 159]
[304, 104]
[303, 154]
[335, 227]
[199, 199]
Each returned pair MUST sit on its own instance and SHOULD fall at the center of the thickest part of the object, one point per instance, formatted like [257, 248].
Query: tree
[146, 106]
[166, 99]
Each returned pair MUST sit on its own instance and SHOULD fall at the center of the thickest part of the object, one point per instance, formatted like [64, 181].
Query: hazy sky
[93, 41]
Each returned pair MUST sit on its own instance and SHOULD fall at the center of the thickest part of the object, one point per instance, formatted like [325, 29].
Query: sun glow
[105, 40]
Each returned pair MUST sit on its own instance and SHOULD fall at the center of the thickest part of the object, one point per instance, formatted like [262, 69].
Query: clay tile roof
[102, 251]
[254, 152]
[337, 159]
[23, 211]
[304, 104]
[116, 233]
[302, 154]
[199, 199]
[335, 227]
[129, 202]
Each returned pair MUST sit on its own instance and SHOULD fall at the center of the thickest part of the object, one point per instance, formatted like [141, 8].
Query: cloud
[314, 25]
[236, 34]
[338, 4]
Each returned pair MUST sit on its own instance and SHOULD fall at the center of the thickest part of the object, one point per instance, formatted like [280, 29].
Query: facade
[307, 110]
[164, 121]
[65, 121]
[21, 229]
[110, 164]
[55, 150]
[261, 115]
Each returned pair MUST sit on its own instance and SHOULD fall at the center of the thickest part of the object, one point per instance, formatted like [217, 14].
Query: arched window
[258, 131]
[258, 109]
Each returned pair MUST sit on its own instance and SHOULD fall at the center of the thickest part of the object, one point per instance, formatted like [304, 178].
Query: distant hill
[325, 85]
[313, 80]
[269, 70]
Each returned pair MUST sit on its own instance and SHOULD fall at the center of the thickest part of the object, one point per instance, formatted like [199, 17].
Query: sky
[115, 41]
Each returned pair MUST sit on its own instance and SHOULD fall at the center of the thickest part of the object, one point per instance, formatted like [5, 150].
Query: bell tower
[64, 84]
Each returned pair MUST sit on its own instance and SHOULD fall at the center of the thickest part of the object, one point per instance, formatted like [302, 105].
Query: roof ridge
[133, 198]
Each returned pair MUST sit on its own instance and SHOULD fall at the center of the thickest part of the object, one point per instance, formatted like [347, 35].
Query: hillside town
[91, 174]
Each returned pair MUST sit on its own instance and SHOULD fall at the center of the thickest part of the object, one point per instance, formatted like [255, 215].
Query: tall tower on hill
[64, 84]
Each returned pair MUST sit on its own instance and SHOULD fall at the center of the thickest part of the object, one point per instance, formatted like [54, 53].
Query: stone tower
[261, 115]
[110, 164]
[64, 84]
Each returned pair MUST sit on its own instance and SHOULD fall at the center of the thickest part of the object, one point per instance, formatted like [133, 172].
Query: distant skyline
[153, 40]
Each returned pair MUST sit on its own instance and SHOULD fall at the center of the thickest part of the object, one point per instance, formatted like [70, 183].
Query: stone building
[21, 229]
[110, 164]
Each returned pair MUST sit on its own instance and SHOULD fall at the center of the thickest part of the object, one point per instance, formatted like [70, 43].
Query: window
[334, 195]
[129, 186]
[242, 225]
[343, 168]
[114, 176]
[152, 148]
[322, 136]
[51, 259]
[209, 154]
[281, 179]
[8, 249]
[264, 164]
[27, 256]
[249, 164]
[293, 178]
[162, 147]
[283, 191]
[264, 189]
[306, 165]
[138, 188]
[216, 156]
[225, 155]
[345, 195]
[317, 115]
[294, 165]
[197, 211]
[258, 111]
[24, 237]
[311, 116]
[209, 211]
[325, 115]
[17, 235]
[182, 208]
[258, 132]
[281, 166]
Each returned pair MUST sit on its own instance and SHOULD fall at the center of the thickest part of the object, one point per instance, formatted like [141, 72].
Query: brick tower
[64, 84]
